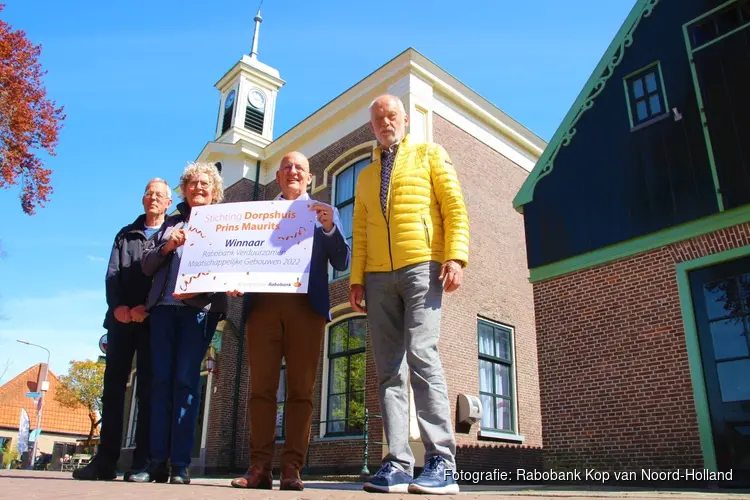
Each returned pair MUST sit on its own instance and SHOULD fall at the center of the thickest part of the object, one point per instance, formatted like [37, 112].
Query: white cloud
[69, 324]
[96, 259]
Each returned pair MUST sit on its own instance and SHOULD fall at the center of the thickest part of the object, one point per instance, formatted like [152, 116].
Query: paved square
[24, 484]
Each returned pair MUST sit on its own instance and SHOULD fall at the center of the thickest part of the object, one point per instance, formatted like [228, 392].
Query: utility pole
[44, 386]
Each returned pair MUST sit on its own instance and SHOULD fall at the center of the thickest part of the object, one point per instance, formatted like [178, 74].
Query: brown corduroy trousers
[282, 326]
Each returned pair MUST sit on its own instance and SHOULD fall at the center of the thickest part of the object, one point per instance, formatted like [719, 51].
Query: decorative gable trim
[585, 101]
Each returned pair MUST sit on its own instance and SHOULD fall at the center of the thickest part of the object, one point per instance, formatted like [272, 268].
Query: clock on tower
[257, 99]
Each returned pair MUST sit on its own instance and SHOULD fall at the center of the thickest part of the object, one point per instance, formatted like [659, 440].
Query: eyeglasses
[289, 166]
[195, 184]
[159, 196]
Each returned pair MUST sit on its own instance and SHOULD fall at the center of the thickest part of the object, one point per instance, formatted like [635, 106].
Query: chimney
[42, 384]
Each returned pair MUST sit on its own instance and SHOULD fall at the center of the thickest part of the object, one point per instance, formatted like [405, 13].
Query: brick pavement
[23, 484]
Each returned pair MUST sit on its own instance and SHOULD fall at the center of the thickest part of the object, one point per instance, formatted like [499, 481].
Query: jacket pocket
[426, 232]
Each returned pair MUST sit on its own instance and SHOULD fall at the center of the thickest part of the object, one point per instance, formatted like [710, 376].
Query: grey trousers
[403, 312]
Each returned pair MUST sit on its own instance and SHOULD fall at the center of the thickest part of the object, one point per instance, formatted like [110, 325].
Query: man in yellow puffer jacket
[410, 242]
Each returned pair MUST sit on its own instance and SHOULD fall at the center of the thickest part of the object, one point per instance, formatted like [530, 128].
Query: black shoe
[134, 469]
[154, 472]
[179, 475]
[98, 469]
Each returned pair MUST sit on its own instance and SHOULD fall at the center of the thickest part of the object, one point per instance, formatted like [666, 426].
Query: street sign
[34, 395]
[103, 343]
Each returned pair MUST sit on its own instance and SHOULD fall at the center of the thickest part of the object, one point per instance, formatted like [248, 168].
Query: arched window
[255, 111]
[345, 392]
[281, 402]
[228, 109]
[344, 184]
[129, 441]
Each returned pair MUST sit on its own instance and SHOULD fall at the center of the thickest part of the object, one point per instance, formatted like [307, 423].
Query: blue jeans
[180, 336]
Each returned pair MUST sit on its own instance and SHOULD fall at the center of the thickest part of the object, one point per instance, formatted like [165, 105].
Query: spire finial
[256, 35]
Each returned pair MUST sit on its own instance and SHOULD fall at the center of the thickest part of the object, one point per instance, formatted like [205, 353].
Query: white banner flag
[23, 432]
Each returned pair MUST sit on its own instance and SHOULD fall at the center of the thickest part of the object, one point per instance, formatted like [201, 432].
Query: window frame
[128, 441]
[632, 101]
[328, 380]
[366, 158]
[715, 20]
[511, 364]
[261, 113]
[282, 436]
[225, 126]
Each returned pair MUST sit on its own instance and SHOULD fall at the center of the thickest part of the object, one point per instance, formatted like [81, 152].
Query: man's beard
[391, 138]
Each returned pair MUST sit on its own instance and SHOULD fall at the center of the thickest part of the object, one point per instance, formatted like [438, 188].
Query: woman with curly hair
[182, 326]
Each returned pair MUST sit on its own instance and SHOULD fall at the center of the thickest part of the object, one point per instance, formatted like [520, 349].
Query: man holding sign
[290, 326]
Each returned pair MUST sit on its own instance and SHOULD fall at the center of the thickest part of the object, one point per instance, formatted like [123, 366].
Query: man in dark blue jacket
[291, 326]
[127, 327]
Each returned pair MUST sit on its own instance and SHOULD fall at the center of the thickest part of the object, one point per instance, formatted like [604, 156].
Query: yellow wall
[47, 441]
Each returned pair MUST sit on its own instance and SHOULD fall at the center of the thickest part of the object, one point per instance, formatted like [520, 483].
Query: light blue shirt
[150, 231]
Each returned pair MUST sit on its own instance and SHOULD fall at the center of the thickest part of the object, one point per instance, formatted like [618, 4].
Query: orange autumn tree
[82, 386]
[28, 120]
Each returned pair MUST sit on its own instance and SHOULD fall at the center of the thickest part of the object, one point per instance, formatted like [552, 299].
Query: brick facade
[496, 287]
[489, 182]
[615, 384]
[331, 455]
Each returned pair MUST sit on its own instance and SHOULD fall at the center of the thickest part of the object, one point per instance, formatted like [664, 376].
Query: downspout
[257, 180]
[240, 349]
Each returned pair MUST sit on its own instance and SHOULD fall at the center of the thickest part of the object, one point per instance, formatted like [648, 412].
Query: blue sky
[136, 79]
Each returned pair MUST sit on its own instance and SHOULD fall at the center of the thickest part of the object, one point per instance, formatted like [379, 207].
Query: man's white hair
[159, 179]
[399, 102]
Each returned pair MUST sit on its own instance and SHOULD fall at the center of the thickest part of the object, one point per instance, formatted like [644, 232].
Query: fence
[365, 471]
[129, 441]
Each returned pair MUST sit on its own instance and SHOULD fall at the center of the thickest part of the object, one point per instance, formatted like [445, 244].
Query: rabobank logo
[273, 283]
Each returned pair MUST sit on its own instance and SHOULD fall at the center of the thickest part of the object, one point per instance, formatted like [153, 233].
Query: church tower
[248, 98]
[245, 119]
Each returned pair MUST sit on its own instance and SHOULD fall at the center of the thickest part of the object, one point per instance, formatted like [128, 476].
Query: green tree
[82, 386]
[10, 454]
[732, 295]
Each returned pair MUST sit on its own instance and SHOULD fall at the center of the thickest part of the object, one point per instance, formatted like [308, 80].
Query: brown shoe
[290, 479]
[256, 477]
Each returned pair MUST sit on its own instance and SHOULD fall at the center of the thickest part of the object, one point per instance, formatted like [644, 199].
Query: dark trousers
[123, 341]
[282, 325]
[180, 336]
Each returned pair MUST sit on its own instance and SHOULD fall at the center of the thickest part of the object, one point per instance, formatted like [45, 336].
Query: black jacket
[157, 265]
[125, 283]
